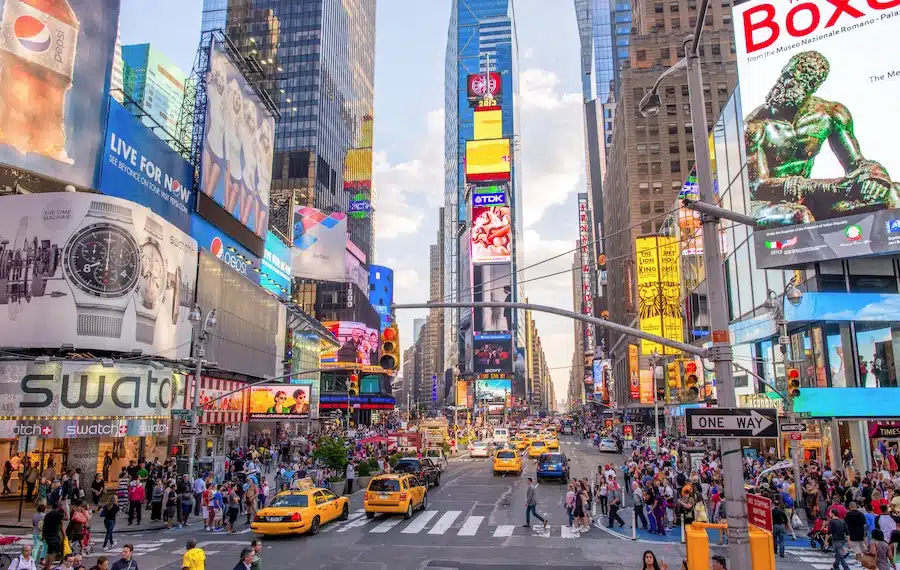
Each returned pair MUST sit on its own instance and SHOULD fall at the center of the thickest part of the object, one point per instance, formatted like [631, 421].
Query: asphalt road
[474, 521]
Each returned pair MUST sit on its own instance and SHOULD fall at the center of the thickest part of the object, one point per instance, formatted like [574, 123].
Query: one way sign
[732, 422]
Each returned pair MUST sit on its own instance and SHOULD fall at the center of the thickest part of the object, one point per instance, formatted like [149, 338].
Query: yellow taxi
[395, 493]
[507, 461]
[536, 448]
[301, 510]
[522, 442]
[551, 441]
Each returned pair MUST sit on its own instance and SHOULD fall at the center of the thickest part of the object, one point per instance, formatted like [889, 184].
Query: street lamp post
[720, 353]
[776, 304]
[196, 317]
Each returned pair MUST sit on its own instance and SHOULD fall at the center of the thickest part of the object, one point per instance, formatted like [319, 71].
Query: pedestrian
[194, 557]
[98, 485]
[199, 488]
[246, 561]
[68, 563]
[351, 474]
[602, 493]
[779, 524]
[614, 498]
[856, 529]
[170, 500]
[122, 489]
[136, 498]
[637, 497]
[37, 526]
[881, 550]
[31, 477]
[52, 534]
[649, 562]
[109, 513]
[102, 564]
[76, 526]
[24, 561]
[187, 505]
[234, 507]
[837, 529]
[256, 545]
[718, 562]
[156, 501]
[570, 503]
[127, 562]
[251, 495]
[107, 463]
[531, 505]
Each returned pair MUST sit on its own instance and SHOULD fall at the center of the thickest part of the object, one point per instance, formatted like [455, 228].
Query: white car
[481, 449]
[437, 456]
[607, 444]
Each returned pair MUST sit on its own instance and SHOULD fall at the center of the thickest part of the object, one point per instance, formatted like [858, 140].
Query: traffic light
[353, 385]
[673, 374]
[793, 381]
[390, 348]
[691, 381]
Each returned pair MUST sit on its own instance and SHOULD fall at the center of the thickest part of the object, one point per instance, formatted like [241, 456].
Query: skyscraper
[481, 47]
[318, 58]
[154, 82]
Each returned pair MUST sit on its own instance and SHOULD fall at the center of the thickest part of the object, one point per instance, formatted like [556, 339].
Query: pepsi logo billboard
[32, 34]
[220, 244]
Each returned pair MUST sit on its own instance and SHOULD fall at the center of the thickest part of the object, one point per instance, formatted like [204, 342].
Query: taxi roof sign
[304, 484]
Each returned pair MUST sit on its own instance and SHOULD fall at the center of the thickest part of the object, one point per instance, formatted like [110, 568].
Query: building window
[671, 110]
[641, 55]
[658, 206]
[658, 8]
[647, 228]
[673, 129]
[637, 93]
[656, 168]
[654, 148]
[675, 166]
[674, 149]
[643, 189]
[641, 147]
[654, 130]
[673, 6]
[676, 185]
[657, 187]
[645, 207]
[642, 168]
[670, 90]
[716, 49]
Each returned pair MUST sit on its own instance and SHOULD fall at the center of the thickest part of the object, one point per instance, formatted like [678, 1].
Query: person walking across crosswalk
[531, 505]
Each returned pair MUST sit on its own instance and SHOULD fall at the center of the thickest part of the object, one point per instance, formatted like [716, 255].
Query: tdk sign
[489, 200]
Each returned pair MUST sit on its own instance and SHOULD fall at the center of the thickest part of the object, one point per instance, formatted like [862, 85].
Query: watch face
[103, 260]
[152, 285]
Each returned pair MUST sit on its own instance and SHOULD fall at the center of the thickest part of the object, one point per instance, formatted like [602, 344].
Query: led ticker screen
[488, 123]
[488, 160]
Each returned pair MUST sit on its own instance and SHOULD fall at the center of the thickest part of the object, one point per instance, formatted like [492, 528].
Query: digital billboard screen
[658, 262]
[491, 234]
[53, 85]
[488, 160]
[487, 123]
[320, 244]
[823, 191]
[276, 267]
[238, 144]
[359, 344]
[493, 352]
[279, 402]
[481, 85]
[358, 170]
[493, 391]
[493, 283]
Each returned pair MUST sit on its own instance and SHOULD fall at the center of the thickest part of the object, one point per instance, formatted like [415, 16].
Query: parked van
[500, 435]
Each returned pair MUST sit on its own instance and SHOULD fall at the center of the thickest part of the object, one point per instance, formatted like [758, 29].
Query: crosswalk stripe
[569, 532]
[355, 524]
[386, 525]
[445, 522]
[504, 530]
[419, 522]
[470, 527]
[822, 566]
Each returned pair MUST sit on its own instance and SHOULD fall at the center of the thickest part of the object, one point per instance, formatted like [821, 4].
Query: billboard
[488, 160]
[139, 166]
[227, 249]
[493, 391]
[279, 402]
[493, 195]
[634, 367]
[359, 344]
[491, 234]
[238, 143]
[358, 170]
[276, 267]
[660, 311]
[112, 274]
[493, 352]
[320, 243]
[587, 270]
[483, 86]
[647, 391]
[462, 390]
[827, 191]
[487, 123]
[493, 283]
[54, 65]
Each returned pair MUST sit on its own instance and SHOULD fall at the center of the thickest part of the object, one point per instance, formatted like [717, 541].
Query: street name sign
[793, 427]
[176, 413]
[188, 430]
[732, 422]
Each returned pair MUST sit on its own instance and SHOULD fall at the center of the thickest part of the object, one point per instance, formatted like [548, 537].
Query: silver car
[481, 449]
[607, 444]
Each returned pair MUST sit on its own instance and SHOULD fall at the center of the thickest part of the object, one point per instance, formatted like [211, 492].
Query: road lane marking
[386, 525]
[445, 522]
[355, 524]
[470, 527]
[569, 532]
[419, 522]
[504, 530]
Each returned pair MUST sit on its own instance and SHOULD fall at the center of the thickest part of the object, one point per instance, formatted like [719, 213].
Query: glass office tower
[318, 57]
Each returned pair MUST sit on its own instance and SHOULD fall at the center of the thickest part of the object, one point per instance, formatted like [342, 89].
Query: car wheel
[409, 511]
[344, 513]
[370, 515]
[425, 502]
[437, 481]
[314, 527]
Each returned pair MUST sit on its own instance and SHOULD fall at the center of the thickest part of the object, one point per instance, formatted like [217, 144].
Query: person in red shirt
[837, 508]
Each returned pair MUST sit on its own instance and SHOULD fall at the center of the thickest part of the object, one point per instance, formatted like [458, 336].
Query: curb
[125, 530]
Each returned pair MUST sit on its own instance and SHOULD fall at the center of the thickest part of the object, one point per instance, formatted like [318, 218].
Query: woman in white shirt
[214, 149]
[250, 147]
[234, 115]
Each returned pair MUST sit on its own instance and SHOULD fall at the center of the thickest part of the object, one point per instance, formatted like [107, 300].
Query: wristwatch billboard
[102, 262]
[152, 281]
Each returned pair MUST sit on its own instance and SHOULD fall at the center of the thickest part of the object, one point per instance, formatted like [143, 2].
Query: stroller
[818, 535]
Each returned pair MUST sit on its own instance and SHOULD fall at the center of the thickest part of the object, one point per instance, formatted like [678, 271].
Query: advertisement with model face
[493, 283]
[139, 166]
[493, 353]
[819, 124]
[359, 343]
[491, 234]
[54, 63]
[279, 402]
[320, 244]
[493, 391]
[113, 275]
[238, 143]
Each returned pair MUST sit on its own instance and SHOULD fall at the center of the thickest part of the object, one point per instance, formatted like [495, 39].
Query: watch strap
[110, 210]
[154, 228]
[95, 320]
[145, 328]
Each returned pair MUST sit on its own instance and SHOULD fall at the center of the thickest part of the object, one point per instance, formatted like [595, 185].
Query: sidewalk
[9, 515]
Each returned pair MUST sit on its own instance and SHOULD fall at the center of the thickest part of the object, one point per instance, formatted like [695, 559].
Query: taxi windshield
[290, 500]
[506, 455]
[384, 486]
[537, 443]
[432, 453]
[550, 458]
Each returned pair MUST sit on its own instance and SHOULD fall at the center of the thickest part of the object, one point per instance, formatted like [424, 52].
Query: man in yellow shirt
[194, 558]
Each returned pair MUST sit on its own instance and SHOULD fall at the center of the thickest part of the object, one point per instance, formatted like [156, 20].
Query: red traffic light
[793, 374]
[389, 333]
[690, 368]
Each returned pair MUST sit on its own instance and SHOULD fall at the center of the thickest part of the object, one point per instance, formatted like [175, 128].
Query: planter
[337, 487]
[361, 482]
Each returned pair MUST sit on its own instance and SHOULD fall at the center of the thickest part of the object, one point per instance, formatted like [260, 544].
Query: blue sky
[409, 100]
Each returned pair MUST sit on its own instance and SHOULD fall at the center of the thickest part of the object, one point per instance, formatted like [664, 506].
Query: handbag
[867, 560]
[67, 548]
[796, 522]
